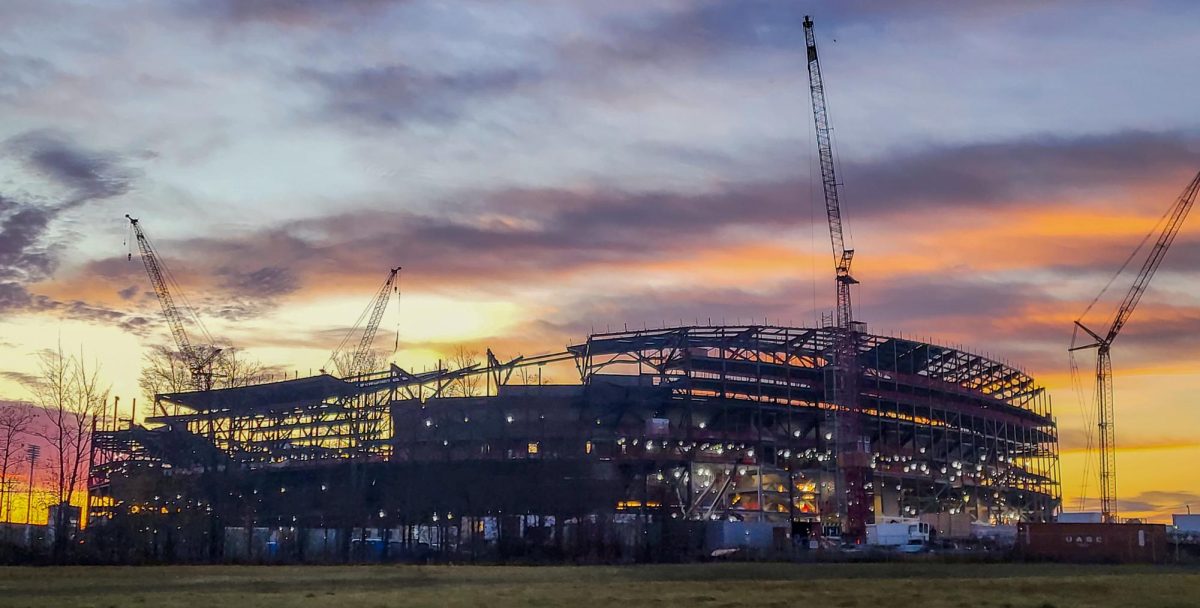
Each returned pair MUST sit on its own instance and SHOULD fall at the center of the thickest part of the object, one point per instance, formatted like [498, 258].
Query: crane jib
[199, 363]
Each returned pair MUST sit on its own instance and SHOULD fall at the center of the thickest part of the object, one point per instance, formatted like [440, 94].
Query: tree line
[50, 434]
[69, 400]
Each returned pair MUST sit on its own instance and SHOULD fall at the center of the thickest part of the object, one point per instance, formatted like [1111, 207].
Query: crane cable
[399, 315]
[1145, 239]
[812, 224]
[332, 361]
[1088, 415]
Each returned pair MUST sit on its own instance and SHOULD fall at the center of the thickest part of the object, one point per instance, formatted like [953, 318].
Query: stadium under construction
[672, 442]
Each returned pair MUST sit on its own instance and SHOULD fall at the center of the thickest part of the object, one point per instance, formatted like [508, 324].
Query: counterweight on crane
[853, 499]
[1103, 345]
[359, 360]
[199, 359]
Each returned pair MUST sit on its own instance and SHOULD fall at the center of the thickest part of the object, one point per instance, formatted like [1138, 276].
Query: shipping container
[1085, 542]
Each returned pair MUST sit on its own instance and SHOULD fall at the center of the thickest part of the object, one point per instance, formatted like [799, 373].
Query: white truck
[907, 535]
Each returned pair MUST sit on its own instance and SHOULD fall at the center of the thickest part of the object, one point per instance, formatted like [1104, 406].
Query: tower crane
[199, 358]
[1103, 345]
[853, 454]
[359, 360]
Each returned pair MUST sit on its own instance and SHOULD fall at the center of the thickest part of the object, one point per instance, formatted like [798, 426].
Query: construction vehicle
[903, 533]
[1103, 342]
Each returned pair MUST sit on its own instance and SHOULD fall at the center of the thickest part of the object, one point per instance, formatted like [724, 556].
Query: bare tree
[235, 369]
[16, 420]
[464, 386]
[70, 393]
[165, 370]
[529, 376]
[343, 361]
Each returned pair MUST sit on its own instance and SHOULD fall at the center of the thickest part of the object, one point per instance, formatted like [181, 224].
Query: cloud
[634, 307]
[699, 31]
[89, 174]
[936, 298]
[22, 257]
[265, 282]
[1006, 173]
[287, 13]
[1159, 502]
[18, 377]
[28, 251]
[90, 313]
[20, 74]
[494, 236]
[516, 238]
[396, 95]
[703, 29]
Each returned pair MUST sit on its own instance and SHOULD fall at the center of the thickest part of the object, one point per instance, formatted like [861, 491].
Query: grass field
[727, 585]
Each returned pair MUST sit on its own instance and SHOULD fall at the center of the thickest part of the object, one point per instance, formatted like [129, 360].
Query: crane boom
[1178, 213]
[842, 257]
[1103, 345]
[852, 501]
[199, 361]
[359, 360]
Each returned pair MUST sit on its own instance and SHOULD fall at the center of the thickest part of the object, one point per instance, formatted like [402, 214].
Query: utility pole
[32, 451]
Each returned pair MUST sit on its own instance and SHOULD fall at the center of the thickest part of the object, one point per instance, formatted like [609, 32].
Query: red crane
[199, 358]
[1103, 344]
[853, 500]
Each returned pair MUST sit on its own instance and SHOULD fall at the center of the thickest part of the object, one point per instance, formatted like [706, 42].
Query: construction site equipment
[1103, 343]
[199, 358]
[1106, 543]
[899, 533]
[852, 502]
[358, 361]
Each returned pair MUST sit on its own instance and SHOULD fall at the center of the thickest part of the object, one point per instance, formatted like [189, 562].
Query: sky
[542, 170]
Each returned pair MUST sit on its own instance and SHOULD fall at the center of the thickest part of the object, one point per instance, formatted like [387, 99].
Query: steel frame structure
[742, 412]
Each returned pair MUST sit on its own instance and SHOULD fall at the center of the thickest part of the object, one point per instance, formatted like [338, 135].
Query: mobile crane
[1103, 345]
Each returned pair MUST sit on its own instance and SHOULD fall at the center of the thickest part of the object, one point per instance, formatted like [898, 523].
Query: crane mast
[1103, 345]
[199, 360]
[852, 501]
